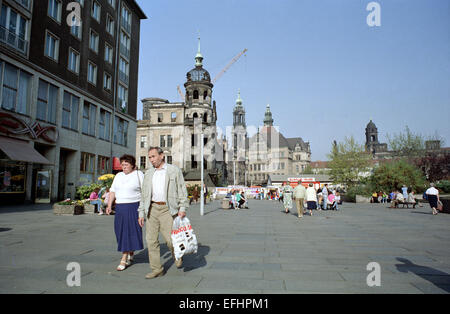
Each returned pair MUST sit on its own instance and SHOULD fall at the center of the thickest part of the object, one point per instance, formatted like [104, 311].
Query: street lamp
[202, 195]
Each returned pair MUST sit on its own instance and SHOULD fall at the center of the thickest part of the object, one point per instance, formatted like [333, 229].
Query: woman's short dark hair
[129, 159]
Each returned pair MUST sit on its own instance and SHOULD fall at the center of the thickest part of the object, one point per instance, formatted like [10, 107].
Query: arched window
[195, 115]
[205, 94]
[196, 94]
[205, 117]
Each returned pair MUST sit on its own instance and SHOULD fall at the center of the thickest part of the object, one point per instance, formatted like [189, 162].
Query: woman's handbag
[440, 206]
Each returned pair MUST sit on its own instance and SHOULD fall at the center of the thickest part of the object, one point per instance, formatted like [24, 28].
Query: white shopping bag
[184, 240]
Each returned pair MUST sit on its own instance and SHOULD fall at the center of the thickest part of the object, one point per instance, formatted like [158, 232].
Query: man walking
[164, 196]
[299, 196]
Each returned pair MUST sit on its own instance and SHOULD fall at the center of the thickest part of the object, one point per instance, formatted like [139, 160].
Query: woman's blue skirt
[127, 229]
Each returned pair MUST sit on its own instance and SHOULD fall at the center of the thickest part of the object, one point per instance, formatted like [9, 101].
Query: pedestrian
[205, 193]
[332, 201]
[338, 200]
[96, 201]
[299, 197]
[405, 192]
[287, 197]
[195, 195]
[411, 197]
[433, 198]
[233, 199]
[105, 198]
[384, 198]
[319, 199]
[126, 191]
[164, 197]
[325, 196]
[311, 198]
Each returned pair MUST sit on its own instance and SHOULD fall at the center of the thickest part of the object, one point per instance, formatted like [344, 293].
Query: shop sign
[10, 124]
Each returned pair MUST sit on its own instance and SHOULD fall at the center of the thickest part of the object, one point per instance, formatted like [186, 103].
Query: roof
[138, 9]
[269, 133]
[319, 164]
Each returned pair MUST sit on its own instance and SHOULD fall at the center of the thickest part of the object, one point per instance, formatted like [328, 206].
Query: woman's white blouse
[127, 187]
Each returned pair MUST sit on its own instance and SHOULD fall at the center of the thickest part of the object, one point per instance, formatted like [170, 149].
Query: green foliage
[84, 192]
[360, 189]
[393, 175]
[444, 185]
[406, 144]
[349, 161]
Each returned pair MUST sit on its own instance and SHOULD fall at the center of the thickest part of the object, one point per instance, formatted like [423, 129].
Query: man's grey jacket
[175, 188]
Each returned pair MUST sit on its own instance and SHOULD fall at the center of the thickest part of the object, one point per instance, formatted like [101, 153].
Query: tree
[349, 162]
[407, 144]
[393, 175]
[435, 167]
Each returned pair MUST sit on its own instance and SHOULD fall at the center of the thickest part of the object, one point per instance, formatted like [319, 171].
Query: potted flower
[68, 208]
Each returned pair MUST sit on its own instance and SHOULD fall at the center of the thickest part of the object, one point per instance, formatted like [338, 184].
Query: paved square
[260, 250]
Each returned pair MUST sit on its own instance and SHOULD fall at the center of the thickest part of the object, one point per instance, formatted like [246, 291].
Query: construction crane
[218, 75]
[228, 66]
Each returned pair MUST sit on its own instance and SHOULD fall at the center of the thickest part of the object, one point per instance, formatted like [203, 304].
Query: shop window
[12, 177]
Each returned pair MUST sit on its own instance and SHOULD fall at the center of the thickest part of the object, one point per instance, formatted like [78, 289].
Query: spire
[239, 100]
[268, 121]
[198, 57]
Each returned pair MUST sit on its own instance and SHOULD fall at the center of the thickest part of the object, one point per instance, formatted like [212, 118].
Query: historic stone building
[266, 153]
[372, 144]
[177, 127]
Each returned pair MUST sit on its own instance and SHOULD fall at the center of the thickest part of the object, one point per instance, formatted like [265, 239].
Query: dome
[198, 74]
[371, 125]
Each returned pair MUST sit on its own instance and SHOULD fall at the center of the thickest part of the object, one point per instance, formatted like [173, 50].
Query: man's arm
[182, 193]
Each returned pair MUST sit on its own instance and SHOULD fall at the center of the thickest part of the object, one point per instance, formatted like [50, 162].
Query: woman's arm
[112, 197]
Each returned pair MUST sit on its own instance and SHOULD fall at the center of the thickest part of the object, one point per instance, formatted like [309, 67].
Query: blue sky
[322, 69]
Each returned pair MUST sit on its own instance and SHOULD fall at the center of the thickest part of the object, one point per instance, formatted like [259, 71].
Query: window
[109, 53]
[169, 141]
[112, 3]
[123, 70]
[196, 94]
[89, 119]
[76, 30]
[110, 25]
[143, 141]
[54, 10]
[103, 165]
[104, 125]
[126, 19]
[205, 94]
[95, 11]
[46, 104]
[13, 29]
[71, 105]
[87, 164]
[143, 162]
[80, 2]
[93, 41]
[15, 88]
[51, 46]
[193, 162]
[123, 98]
[107, 81]
[160, 117]
[173, 117]
[162, 141]
[169, 160]
[92, 73]
[74, 61]
[120, 131]
[125, 44]
[24, 3]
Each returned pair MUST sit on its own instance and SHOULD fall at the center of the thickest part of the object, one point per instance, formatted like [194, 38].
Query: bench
[405, 203]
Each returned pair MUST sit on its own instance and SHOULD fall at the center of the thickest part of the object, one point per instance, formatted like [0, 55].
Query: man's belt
[159, 203]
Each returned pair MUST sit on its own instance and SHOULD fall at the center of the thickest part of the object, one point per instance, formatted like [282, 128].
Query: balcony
[125, 51]
[124, 77]
[13, 40]
[126, 25]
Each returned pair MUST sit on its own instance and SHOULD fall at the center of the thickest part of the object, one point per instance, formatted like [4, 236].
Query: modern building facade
[68, 74]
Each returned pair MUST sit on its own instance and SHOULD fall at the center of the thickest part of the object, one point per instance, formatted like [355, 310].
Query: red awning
[116, 164]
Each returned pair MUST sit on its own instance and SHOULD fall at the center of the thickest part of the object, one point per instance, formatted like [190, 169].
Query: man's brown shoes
[154, 274]
[179, 262]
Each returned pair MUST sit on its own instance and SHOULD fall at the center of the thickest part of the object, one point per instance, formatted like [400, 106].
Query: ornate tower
[371, 137]
[239, 143]
[199, 108]
[268, 120]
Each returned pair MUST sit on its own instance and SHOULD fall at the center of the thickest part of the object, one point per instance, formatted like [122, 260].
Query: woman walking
[126, 191]
[433, 198]
[311, 198]
[287, 197]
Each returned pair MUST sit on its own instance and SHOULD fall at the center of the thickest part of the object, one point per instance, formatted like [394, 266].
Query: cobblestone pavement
[259, 250]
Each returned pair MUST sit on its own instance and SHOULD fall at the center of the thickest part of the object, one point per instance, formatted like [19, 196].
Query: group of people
[196, 195]
[238, 199]
[315, 199]
[153, 200]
